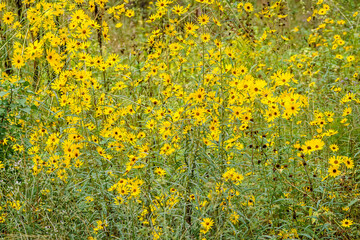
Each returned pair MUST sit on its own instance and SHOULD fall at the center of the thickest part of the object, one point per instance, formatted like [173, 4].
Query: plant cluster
[206, 119]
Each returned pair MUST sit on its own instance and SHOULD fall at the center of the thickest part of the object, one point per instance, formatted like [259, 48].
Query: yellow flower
[339, 56]
[207, 223]
[346, 223]
[350, 58]
[130, 13]
[217, 22]
[334, 147]
[348, 162]
[190, 27]
[205, 37]
[322, 11]
[18, 61]
[335, 161]
[285, 38]
[162, 3]
[3, 5]
[203, 19]
[179, 10]
[78, 16]
[83, 32]
[159, 171]
[347, 111]
[334, 171]
[234, 218]
[8, 18]
[248, 7]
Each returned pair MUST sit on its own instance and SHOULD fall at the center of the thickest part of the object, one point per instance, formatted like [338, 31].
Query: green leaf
[27, 110]
[22, 101]
[352, 202]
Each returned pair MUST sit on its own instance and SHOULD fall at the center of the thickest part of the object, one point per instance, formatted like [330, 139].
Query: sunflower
[243, 70]
[346, 223]
[292, 108]
[178, 10]
[130, 13]
[83, 32]
[334, 171]
[234, 218]
[18, 61]
[205, 37]
[135, 190]
[159, 171]
[192, 197]
[2, 6]
[8, 18]
[217, 22]
[162, 3]
[207, 223]
[190, 27]
[322, 11]
[348, 162]
[77, 16]
[248, 7]
[203, 19]
[350, 58]
[334, 147]
[335, 161]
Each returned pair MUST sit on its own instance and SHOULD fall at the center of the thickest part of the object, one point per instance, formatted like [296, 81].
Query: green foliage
[179, 120]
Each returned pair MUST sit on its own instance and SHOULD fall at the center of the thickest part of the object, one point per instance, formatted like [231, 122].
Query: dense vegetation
[206, 119]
